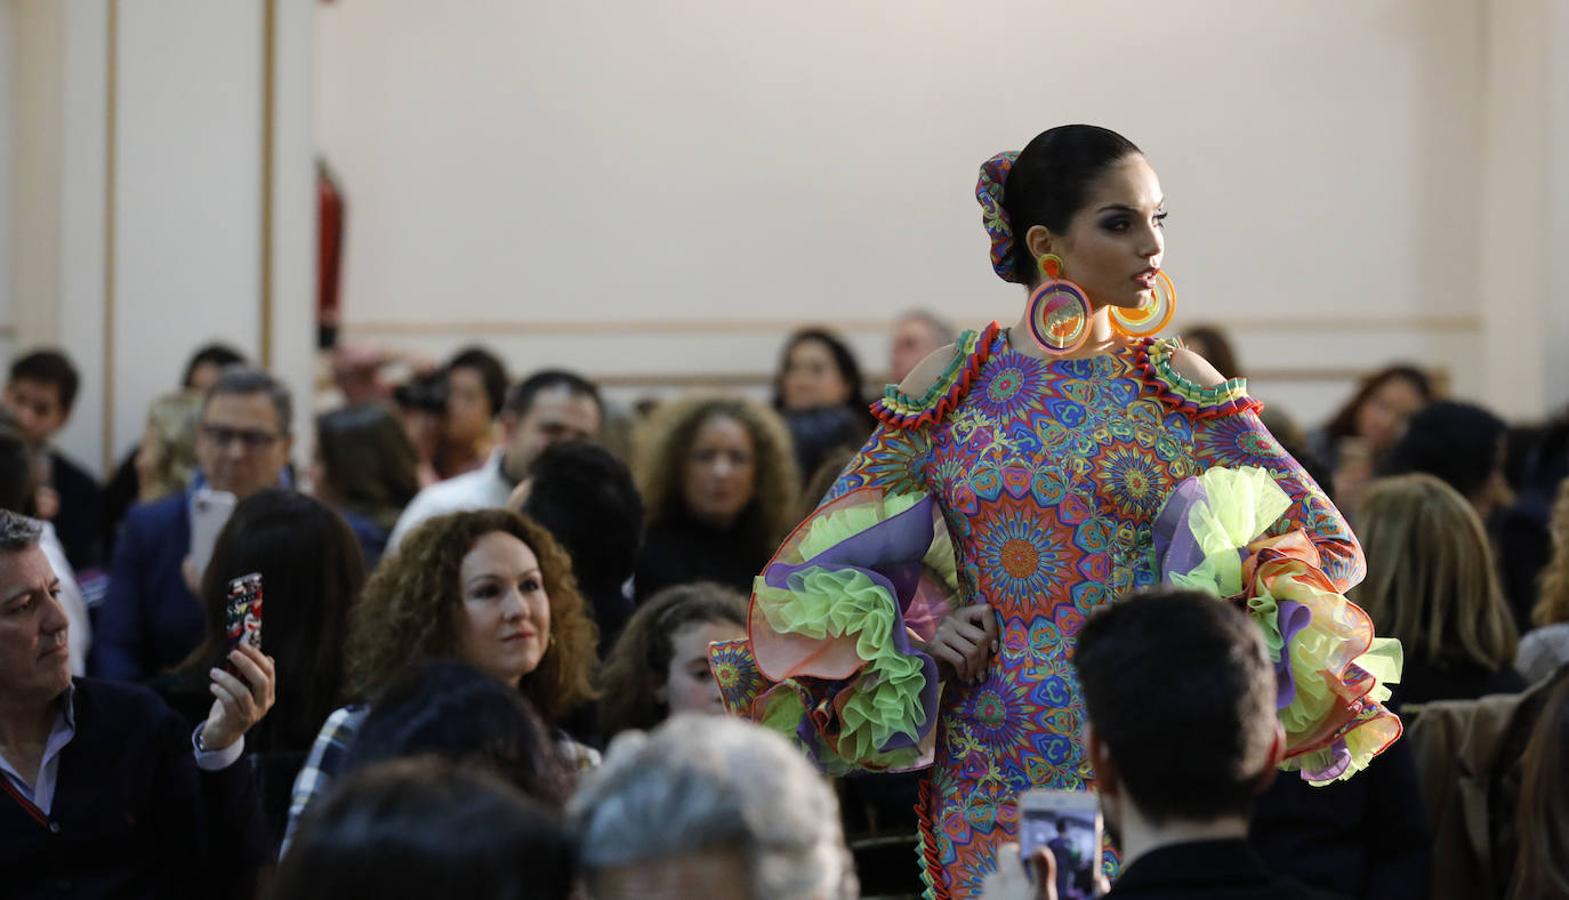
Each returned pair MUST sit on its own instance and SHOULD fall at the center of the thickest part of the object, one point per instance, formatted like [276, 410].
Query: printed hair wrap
[988, 191]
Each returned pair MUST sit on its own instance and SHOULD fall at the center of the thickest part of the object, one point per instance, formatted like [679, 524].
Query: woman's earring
[1149, 317]
[1059, 310]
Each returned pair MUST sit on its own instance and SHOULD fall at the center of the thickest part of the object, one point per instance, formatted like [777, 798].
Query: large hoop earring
[1059, 310]
[1149, 317]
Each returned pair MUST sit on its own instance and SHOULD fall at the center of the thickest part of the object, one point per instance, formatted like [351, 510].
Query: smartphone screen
[242, 610]
[1067, 823]
[210, 511]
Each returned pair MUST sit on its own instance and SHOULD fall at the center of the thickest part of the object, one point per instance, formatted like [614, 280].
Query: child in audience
[659, 667]
[1431, 583]
[719, 485]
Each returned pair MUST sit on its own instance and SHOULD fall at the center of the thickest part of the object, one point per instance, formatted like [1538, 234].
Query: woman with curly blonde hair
[719, 482]
[1546, 647]
[488, 587]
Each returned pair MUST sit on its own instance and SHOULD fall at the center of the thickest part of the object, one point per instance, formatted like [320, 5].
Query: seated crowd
[486, 624]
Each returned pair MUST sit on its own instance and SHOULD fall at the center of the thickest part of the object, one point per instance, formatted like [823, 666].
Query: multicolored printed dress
[1046, 489]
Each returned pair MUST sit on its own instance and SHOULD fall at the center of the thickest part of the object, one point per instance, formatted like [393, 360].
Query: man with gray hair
[107, 792]
[710, 807]
[917, 333]
[151, 619]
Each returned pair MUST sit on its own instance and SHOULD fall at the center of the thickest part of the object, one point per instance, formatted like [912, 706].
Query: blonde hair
[172, 421]
[663, 443]
[1430, 578]
[1552, 599]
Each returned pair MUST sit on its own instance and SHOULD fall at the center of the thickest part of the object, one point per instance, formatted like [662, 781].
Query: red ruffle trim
[931, 863]
[956, 390]
[1160, 388]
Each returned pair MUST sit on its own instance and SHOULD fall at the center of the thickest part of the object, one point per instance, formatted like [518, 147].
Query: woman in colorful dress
[924, 615]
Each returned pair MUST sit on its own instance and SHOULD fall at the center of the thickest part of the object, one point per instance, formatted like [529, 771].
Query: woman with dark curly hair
[719, 485]
[489, 587]
[659, 666]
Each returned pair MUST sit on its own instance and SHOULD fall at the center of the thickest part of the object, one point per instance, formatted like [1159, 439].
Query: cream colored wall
[660, 191]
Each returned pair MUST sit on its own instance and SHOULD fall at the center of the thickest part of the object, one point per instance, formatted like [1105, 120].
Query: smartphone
[210, 511]
[1067, 823]
[242, 613]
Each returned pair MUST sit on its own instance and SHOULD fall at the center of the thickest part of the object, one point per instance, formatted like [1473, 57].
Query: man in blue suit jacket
[151, 619]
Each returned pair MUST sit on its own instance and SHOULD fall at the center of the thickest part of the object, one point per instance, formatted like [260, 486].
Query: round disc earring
[1059, 310]
[1149, 317]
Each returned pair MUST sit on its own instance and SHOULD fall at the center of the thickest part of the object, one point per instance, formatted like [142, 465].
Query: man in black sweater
[39, 396]
[1180, 696]
[104, 791]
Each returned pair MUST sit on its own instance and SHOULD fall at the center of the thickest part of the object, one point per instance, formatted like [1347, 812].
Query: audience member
[476, 388]
[587, 500]
[488, 587]
[1541, 869]
[453, 711]
[1431, 584]
[819, 392]
[311, 576]
[544, 408]
[1463, 445]
[1177, 776]
[39, 396]
[659, 667]
[1354, 442]
[421, 403]
[109, 793]
[166, 458]
[151, 619]
[1545, 649]
[18, 495]
[1474, 758]
[709, 806]
[415, 829]
[917, 334]
[720, 487]
[125, 488]
[1210, 341]
[366, 469]
[1536, 465]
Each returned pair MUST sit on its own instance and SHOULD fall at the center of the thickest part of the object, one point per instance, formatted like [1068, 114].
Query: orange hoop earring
[1149, 317]
[1059, 310]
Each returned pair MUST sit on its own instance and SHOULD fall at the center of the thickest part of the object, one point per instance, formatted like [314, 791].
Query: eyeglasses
[250, 439]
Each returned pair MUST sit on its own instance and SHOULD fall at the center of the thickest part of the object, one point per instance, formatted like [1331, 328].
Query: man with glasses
[151, 620]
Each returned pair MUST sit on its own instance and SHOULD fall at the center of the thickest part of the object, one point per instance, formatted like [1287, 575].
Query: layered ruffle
[1151, 359]
[899, 410]
[831, 656]
[1331, 672]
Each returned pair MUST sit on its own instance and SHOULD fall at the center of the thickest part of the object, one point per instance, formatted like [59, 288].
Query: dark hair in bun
[1048, 183]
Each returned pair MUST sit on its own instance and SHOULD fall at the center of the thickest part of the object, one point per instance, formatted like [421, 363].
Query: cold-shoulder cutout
[937, 385]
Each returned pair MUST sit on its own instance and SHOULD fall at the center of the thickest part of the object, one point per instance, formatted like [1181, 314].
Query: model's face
[504, 625]
[468, 406]
[1116, 242]
[721, 471]
[35, 657]
[689, 685]
[1381, 420]
[811, 379]
[241, 443]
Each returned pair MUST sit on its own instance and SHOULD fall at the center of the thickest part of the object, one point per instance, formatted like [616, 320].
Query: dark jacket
[681, 550]
[132, 815]
[150, 620]
[79, 523]
[1365, 837]
[1206, 870]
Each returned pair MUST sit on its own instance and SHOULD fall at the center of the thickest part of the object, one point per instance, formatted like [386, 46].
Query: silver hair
[710, 782]
[941, 328]
[242, 379]
[18, 532]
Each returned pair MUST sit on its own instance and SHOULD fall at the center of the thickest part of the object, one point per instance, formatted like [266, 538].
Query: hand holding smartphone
[1068, 823]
